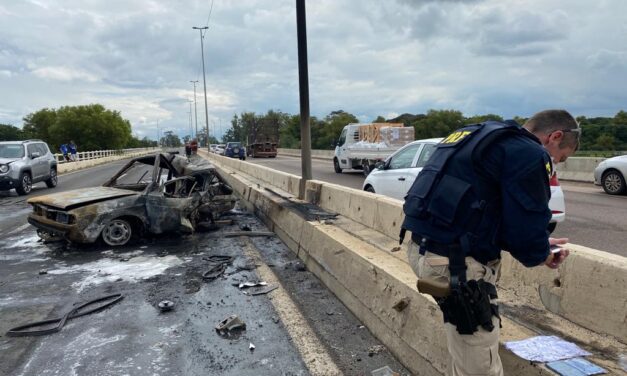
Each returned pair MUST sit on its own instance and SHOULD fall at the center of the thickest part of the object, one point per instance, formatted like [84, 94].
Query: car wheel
[366, 169]
[117, 232]
[52, 180]
[613, 182]
[26, 184]
[369, 189]
[336, 166]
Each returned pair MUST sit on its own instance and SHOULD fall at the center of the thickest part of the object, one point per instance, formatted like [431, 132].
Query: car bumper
[8, 182]
[598, 172]
[69, 231]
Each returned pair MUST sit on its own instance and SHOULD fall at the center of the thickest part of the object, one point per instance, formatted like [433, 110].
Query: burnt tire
[53, 179]
[26, 184]
[613, 182]
[336, 166]
[117, 232]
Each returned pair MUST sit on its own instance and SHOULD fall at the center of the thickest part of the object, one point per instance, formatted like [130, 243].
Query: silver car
[611, 175]
[24, 163]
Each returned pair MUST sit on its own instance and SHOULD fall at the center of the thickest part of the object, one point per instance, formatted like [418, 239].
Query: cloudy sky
[367, 57]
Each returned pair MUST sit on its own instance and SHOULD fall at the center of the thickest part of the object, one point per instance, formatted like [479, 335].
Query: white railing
[96, 154]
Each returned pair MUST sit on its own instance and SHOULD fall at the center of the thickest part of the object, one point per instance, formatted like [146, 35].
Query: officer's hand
[555, 259]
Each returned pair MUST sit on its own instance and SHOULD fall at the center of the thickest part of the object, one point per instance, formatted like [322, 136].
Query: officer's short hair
[549, 121]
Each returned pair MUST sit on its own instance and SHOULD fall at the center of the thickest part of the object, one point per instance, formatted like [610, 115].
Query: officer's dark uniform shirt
[517, 169]
[520, 165]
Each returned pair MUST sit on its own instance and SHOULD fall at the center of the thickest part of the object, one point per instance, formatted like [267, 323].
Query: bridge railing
[97, 154]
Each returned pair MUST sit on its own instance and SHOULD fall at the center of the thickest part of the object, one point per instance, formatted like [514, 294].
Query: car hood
[7, 160]
[80, 197]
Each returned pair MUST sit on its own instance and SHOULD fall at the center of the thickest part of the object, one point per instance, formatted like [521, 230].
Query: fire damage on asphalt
[190, 304]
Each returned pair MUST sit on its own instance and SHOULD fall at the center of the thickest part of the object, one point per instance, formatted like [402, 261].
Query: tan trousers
[476, 354]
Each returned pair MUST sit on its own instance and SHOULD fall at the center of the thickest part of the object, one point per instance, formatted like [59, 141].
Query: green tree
[37, 124]
[481, 118]
[606, 142]
[324, 135]
[379, 119]
[438, 123]
[10, 133]
[620, 118]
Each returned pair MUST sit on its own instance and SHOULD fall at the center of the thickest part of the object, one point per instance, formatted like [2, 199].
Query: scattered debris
[244, 263]
[299, 266]
[373, 350]
[245, 228]
[330, 313]
[125, 259]
[395, 249]
[224, 222]
[251, 284]
[275, 319]
[245, 233]
[165, 305]
[401, 305]
[217, 266]
[77, 311]
[229, 325]
[262, 291]
[43, 271]
[328, 222]
[251, 347]
[360, 326]
[384, 371]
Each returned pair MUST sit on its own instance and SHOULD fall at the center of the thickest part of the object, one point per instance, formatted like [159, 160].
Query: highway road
[593, 218]
[300, 328]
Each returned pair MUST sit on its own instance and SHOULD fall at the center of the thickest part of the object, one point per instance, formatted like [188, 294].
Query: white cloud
[64, 74]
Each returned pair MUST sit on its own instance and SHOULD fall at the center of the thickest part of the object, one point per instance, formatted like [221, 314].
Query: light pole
[195, 107]
[303, 84]
[204, 80]
[191, 128]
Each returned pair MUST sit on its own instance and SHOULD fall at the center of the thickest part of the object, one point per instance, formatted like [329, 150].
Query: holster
[468, 306]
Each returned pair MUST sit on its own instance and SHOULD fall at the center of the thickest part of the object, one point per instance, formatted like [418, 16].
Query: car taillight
[553, 182]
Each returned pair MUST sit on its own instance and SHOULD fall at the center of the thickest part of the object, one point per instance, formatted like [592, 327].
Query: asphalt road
[593, 218]
[297, 329]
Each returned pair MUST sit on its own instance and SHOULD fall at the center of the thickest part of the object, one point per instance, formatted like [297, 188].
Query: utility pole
[204, 80]
[195, 107]
[303, 84]
[191, 128]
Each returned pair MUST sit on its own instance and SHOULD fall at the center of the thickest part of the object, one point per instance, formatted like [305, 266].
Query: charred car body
[154, 194]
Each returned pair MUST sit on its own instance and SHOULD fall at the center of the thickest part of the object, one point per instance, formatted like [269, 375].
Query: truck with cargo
[362, 145]
[263, 140]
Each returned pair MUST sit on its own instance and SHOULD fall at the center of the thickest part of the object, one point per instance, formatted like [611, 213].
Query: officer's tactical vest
[456, 202]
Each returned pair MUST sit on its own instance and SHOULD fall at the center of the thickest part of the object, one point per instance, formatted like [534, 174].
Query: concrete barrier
[63, 168]
[354, 257]
[575, 168]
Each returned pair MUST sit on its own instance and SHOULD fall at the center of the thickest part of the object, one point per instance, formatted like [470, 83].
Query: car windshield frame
[4, 148]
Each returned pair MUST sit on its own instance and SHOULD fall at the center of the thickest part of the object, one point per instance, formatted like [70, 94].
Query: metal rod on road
[195, 108]
[204, 80]
[303, 83]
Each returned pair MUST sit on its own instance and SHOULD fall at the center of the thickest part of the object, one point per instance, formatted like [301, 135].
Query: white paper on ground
[545, 349]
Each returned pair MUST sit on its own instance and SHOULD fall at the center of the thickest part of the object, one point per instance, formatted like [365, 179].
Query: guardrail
[96, 154]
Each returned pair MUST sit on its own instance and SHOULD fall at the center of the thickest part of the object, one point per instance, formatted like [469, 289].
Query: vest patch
[456, 137]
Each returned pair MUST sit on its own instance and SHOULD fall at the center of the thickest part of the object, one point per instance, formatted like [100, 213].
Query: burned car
[153, 194]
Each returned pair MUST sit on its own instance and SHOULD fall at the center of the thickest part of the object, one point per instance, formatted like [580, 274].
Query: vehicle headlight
[4, 168]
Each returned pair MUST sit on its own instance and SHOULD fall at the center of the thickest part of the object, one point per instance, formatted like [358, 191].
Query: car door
[341, 150]
[35, 163]
[397, 171]
[419, 162]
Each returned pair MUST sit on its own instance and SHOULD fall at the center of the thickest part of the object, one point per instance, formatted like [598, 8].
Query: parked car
[151, 194]
[395, 176]
[24, 163]
[611, 173]
[220, 149]
[235, 150]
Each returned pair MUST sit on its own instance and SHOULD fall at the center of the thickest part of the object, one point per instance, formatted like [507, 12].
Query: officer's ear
[556, 137]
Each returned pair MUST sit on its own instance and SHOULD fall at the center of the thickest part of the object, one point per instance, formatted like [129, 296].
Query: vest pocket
[415, 202]
[447, 198]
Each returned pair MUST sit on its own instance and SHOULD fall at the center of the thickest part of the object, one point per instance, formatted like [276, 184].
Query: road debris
[401, 305]
[77, 311]
[375, 349]
[217, 266]
[245, 228]
[165, 305]
[384, 371]
[245, 233]
[395, 249]
[244, 285]
[43, 271]
[230, 325]
[262, 291]
[251, 347]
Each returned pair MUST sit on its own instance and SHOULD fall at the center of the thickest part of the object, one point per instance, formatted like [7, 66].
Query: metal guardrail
[97, 154]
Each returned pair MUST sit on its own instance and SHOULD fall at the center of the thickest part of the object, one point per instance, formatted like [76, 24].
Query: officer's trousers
[476, 354]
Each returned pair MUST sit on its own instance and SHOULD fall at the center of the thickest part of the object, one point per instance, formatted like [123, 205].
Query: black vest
[453, 201]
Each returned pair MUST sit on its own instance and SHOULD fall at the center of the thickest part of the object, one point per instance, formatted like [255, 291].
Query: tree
[323, 135]
[438, 123]
[482, 118]
[620, 118]
[37, 124]
[10, 133]
[379, 119]
[606, 142]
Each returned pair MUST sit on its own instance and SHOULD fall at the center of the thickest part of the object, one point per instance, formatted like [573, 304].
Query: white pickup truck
[354, 151]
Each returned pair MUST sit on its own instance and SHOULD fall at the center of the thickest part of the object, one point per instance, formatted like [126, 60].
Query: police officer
[484, 189]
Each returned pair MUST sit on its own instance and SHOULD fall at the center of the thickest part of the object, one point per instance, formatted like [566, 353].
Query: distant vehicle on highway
[212, 147]
[263, 140]
[395, 176]
[151, 194]
[24, 163]
[235, 150]
[220, 149]
[611, 173]
[362, 146]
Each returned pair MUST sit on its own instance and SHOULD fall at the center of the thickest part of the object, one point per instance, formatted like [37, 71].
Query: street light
[204, 80]
[195, 107]
[303, 84]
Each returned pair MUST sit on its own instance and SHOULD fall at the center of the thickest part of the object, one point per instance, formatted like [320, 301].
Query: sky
[366, 57]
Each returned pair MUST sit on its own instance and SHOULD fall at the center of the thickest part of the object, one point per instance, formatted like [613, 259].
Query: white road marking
[22, 227]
